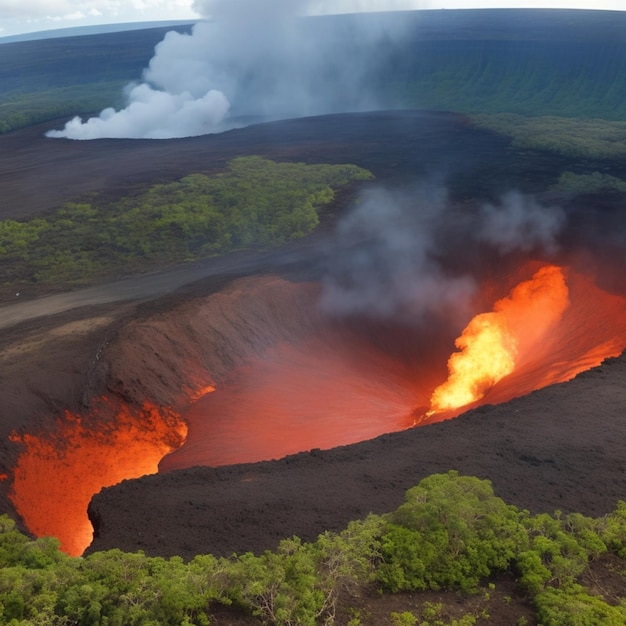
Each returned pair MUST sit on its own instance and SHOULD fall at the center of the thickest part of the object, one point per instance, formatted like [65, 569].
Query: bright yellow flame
[492, 342]
[488, 350]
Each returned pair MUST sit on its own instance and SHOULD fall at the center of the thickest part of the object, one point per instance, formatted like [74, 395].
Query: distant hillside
[99, 29]
[60, 77]
[67, 61]
[532, 62]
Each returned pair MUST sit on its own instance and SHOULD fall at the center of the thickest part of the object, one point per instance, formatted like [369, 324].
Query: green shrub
[451, 531]
[406, 618]
[589, 183]
[612, 530]
[559, 550]
[574, 606]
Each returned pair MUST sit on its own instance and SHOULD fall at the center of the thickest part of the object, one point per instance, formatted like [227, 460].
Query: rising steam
[388, 263]
[252, 58]
[393, 251]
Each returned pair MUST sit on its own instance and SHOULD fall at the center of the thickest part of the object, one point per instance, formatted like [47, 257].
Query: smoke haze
[521, 223]
[392, 251]
[254, 58]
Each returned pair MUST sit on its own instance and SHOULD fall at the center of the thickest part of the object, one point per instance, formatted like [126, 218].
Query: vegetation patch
[596, 182]
[255, 203]
[451, 533]
[570, 137]
[20, 109]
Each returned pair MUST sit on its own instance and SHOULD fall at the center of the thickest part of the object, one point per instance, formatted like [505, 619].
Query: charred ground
[549, 450]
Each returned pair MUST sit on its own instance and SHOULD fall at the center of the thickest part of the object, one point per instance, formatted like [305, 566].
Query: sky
[25, 16]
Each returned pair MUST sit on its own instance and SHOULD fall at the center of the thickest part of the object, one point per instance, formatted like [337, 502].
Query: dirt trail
[156, 284]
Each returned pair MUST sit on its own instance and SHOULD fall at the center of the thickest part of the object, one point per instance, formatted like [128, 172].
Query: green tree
[451, 531]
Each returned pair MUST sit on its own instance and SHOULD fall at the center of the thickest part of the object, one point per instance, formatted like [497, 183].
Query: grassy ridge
[18, 110]
[255, 203]
[529, 78]
[452, 532]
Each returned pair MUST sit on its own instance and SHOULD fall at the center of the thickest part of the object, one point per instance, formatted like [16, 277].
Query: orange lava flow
[316, 393]
[490, 344]
[326, 392]
[333, 385]
[58, 473]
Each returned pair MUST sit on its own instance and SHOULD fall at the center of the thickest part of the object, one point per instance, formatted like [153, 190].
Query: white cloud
[260, 59]
[18, 16]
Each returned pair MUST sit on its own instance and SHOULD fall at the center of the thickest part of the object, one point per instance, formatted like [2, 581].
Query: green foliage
[612, 530]
[451, 531]
[573, 605]
[589, 183]
[571, 137]
[255, 203]
[280, 587]
[301, 583]
[406, 618]
[558, 551]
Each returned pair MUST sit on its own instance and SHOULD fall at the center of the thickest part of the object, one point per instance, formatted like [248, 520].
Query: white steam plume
[152, 114]
[405, 255]
[253, 58]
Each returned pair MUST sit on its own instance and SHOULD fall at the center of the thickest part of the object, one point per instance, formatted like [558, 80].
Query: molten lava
[58, 473]
[297, 397]
[287, 380]
[492, 343]
[331, 390]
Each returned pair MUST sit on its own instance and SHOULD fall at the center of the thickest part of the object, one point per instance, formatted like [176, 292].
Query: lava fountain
[492, 343]
[345, 385]
[279, 377]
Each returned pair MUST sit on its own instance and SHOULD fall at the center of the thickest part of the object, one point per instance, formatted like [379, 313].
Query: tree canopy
[452, 532]
[255, 203]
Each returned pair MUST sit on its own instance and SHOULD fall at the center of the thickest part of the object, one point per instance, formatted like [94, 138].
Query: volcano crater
[244, 366]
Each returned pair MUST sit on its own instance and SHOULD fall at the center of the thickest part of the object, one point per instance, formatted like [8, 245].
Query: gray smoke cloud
[519, 222]
[388, 262]
[256, 58]
[393, 251]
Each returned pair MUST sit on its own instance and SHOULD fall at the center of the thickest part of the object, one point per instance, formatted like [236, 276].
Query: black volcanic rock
[563, 447]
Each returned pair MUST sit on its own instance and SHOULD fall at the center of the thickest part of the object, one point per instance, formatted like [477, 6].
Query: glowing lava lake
[262, 372]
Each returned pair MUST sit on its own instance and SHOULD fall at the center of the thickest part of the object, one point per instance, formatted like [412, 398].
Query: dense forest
[452, 532]
[256, 203]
